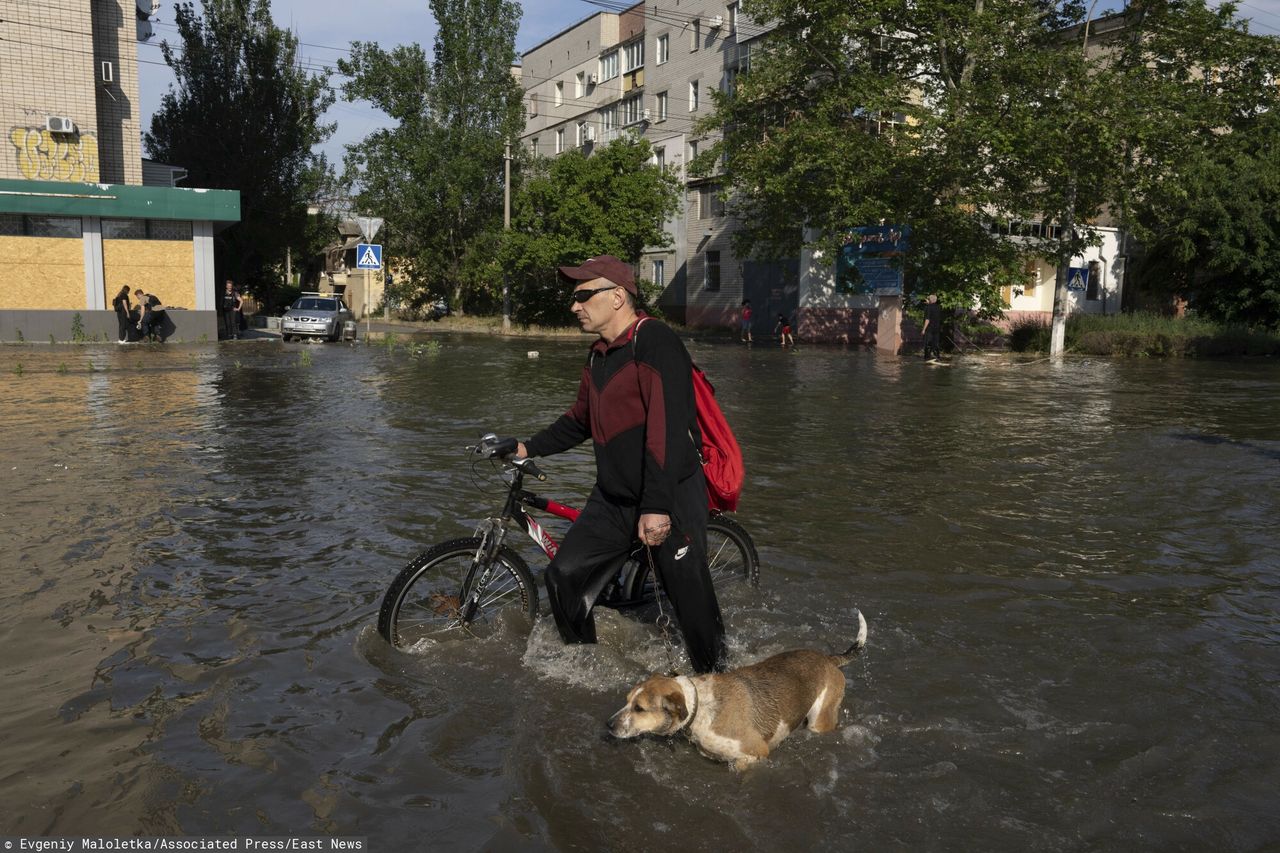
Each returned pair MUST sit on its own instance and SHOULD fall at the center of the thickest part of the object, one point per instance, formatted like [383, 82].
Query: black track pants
[597, 545]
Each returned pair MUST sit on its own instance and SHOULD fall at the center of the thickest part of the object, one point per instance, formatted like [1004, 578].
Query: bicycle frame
[492, 532]
[519, 497]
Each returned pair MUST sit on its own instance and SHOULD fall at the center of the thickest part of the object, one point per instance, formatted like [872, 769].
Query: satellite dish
[147, 8]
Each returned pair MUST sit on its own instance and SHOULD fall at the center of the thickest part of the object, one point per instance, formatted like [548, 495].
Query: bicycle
[466, 585]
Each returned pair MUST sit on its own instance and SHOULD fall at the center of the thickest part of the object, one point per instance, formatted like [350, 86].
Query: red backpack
[720, 454]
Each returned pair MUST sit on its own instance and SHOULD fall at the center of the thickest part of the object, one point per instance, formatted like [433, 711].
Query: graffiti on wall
[44, 156]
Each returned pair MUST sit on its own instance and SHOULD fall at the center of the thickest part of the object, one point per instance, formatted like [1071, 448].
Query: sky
[326, 29]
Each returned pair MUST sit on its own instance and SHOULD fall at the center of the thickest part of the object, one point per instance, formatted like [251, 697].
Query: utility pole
[506, 226]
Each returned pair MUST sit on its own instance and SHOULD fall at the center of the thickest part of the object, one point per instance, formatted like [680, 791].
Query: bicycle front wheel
[731, 559]
[427, 599]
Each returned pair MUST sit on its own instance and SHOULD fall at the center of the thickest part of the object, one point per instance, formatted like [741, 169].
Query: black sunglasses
[581, 296]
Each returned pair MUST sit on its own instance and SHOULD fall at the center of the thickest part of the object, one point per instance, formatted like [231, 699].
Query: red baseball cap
[603, 266]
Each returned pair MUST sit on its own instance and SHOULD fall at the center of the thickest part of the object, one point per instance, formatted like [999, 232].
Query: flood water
[1070, 575]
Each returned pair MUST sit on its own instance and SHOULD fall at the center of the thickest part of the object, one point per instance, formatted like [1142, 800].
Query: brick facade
[51, 59]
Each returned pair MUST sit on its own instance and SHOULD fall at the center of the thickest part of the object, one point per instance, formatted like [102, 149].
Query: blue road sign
[1077, 278]
[369, 256]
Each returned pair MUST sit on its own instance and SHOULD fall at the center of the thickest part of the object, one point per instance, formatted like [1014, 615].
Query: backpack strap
[696, 448]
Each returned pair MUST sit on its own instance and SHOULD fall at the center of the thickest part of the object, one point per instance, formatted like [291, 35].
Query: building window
[733, 18]
[696, 29]
[124, 229]
[559, 92]
[560, 140]
[693, 96]
[711, 272]
[632, 110]
[17, 225]
[660, 103]
[609, 122]
[709, 202]
[580, 84]
[581, 134]
[533, 104]
[1032, 272]
[660, 273]
[693, 150]
[168, 229]
[660, 158]
[633, 56]
[664, 49]
[144, 229]
[609, 66]
[533, 145]
[1093, 285]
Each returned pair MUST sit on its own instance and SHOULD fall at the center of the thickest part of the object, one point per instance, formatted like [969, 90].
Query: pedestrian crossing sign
[369, 256]
[1078, 278]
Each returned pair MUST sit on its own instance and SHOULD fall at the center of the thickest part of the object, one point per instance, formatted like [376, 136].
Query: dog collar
[690, 691]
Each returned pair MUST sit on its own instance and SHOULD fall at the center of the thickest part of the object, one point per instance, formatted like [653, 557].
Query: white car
[315, 316]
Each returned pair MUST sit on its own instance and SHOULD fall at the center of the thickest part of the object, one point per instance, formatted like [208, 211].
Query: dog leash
[664, 620]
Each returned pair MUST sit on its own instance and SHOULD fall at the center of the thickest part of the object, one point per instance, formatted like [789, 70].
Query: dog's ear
[673, 700]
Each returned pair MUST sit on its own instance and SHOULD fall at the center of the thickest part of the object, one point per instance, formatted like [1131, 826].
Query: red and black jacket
[636, 404]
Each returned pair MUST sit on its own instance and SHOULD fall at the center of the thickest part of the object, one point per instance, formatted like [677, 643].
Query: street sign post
[369, 256]
[369, 259]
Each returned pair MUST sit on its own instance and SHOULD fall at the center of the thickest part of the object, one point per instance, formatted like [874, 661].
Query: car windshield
[313, 304]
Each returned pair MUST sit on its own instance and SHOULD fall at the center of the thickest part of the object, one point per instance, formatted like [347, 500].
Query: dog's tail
[858, 644]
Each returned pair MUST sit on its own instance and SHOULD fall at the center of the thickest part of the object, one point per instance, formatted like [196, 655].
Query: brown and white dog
[738, 716]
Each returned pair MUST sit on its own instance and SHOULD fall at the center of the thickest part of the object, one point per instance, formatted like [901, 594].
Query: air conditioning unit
[644, 116]
[589, 135]
[108, 72]
[716, 22]
[592, 79]
[59, 124]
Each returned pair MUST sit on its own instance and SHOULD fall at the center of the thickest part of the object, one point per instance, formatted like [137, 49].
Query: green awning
[118, 201]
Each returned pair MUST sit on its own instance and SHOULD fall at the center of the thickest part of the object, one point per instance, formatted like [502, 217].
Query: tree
[1214, 235]
[244, 116]
[956, 116]
[572, 207]
[437, 176]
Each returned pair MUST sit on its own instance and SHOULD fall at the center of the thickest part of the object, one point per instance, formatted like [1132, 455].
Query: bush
[1029, 335]
[1146, 335]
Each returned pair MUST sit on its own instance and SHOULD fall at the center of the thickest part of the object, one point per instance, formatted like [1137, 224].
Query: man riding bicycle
[635, 401]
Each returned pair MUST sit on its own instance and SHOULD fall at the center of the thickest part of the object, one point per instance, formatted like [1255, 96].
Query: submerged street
[1070, 575]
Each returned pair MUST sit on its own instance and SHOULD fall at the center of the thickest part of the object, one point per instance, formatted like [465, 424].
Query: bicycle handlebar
[492, 447]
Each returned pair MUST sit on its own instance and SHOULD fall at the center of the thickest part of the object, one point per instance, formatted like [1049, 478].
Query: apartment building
[82, 214]
[650, 72]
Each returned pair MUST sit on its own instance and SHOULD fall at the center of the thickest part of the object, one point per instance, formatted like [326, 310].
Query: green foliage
[77, 328]
[244, 115]
[62, 367]
[17, 369]
[437, 176]
[973, 113]
[21, 339]
[1147, 335]
[1213, 234]
[573, 207]
[304, 358]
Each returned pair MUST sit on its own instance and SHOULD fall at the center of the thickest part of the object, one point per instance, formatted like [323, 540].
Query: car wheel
[285, 338]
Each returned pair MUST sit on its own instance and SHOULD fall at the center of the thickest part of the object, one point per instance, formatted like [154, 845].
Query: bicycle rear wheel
[427, 598]
[731, 559]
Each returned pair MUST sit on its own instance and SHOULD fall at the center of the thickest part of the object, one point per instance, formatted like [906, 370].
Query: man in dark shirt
[932, 327]
[635, 401]
[231, 303]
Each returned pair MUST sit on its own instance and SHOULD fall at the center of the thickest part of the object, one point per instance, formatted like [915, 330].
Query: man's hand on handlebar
[521, 453]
